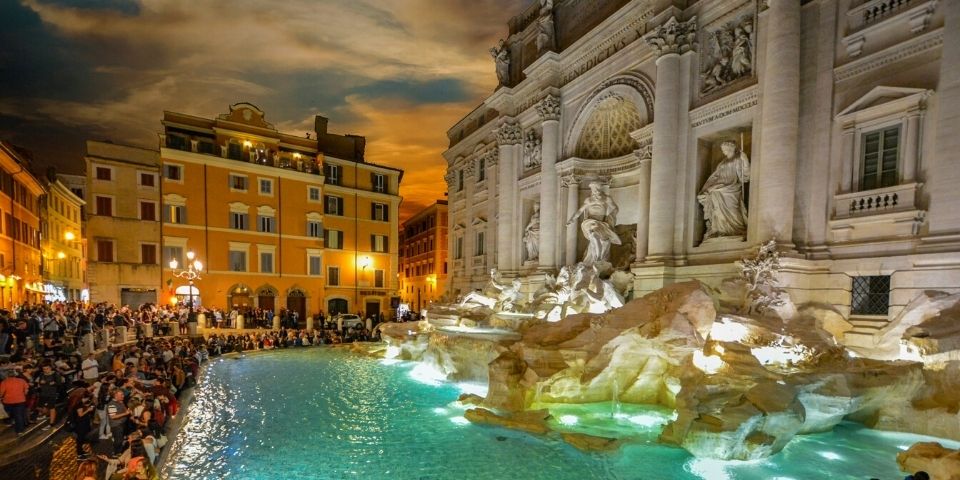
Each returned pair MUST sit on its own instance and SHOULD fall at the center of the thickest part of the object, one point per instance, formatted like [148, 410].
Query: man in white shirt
[90, 369]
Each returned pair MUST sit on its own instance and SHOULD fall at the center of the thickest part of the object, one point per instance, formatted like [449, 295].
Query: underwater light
[460, 420]
[830, 456]
[569, 419]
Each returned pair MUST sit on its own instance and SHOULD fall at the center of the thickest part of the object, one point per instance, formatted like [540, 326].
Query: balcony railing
[893, 199]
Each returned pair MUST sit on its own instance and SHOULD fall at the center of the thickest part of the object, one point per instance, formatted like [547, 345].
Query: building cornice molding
[724, 107]
[902, 51]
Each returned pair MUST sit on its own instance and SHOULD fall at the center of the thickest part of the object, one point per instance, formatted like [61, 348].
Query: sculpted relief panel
[728, 52]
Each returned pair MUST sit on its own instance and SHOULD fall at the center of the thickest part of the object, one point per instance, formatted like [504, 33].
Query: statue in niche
[724, 209]
[546, 36]
[599, 214]
[531, 150]
[531, 234]
[729, 56]
[501, 55]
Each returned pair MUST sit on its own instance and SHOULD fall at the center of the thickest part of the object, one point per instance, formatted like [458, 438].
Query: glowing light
[460, 420]
[830, 456]
[477, 389]
[727, 331]
[69, 236]
[392, 351]
[440, 411]
[780, 354]
[61, 255]
[647, 420]
[569, 419]
[708, 364]
[246, 143]
[427, 375]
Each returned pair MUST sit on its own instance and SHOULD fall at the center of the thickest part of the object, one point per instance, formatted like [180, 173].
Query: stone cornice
[910, 48]
[728, 105]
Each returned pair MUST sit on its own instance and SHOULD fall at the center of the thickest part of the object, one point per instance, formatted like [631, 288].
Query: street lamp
[191, 273]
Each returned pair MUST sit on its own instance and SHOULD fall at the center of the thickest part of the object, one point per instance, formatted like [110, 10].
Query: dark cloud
[399, 71]
[441, 90]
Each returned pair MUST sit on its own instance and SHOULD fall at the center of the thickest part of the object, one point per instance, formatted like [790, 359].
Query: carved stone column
[549, 110]
[776, 179]
[911, 147]
[671, 39]
[846, 178]
[508, 140]
[643, 200]
[941, 175]
[572, 184]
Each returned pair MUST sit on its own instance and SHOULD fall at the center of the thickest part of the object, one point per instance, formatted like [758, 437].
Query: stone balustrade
[874, 202]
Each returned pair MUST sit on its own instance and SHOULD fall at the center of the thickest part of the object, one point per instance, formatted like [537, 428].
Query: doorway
[373, 310]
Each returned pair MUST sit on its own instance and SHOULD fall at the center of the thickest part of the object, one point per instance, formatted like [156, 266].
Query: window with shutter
[881, 153]
[148, 254]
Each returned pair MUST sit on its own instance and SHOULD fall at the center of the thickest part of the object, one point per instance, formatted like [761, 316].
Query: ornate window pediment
[882, 101]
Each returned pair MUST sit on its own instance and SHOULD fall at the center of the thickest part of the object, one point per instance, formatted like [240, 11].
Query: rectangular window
[333, 205]
[238, 261]
[148, 254]
[234, 151]
[458, 248]
[379, 182]
[104, 250]
[173, 172]
[104, 173]
[147, 180]
[870, 295]
[378, 243]
[172, 253]
[238, 221]
[266, 262]
[205, 146]
[104, 206]
[175, 214]
[333, 276]
[481, 170]
[334, 239]
[313, 194]
[238, 182]
[378, 278]
[266, 186]
[479, 247]
[314, 229]
[313, 265]
[332, 174]
[148, 211]
[266, 224]
[380, 212]
[881, 153]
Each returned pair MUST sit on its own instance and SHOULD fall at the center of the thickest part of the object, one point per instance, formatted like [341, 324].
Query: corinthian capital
[571, 180]
[673, 36]
[549, 108]
[509, 133]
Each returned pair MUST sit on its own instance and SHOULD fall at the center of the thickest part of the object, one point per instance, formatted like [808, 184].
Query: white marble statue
[531, 234]
[599, 214]
[546, 35]
[501, 55]
[724, 210]
[532, 147]
[490, 294]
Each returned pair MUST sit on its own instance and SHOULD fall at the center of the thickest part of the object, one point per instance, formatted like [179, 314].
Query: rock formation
[742, 386]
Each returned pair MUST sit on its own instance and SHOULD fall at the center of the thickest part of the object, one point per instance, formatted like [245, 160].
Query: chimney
[320, 125]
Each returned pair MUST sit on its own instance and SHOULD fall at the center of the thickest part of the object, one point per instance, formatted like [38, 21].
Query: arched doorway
[238, 297]
[266, 298]
[336, 306]
[297, 302]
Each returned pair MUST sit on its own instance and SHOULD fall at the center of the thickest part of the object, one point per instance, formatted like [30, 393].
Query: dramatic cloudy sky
[400, 72]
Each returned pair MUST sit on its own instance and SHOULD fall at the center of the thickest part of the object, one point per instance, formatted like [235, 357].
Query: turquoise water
[326, 413]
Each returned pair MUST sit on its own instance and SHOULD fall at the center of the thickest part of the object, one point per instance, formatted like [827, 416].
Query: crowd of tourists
[121, 395]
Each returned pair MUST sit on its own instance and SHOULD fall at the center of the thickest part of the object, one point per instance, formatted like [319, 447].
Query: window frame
[113, 249]
[232, 178]
[333, 276]
[96, 204]
[96, 173]
[260, 262]
[260, 183]
[239, 218]
[140, 204]
[231, 264]
[881, 132]
[168, 167]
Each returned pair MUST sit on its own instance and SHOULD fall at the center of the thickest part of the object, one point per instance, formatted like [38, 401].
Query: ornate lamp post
[191, 273]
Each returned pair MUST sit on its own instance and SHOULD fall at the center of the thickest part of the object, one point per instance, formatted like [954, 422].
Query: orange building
[20, 265]
[423, 256]
[279, 221]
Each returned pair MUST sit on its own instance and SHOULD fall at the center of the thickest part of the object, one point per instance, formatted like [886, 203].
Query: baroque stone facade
[823, 125]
